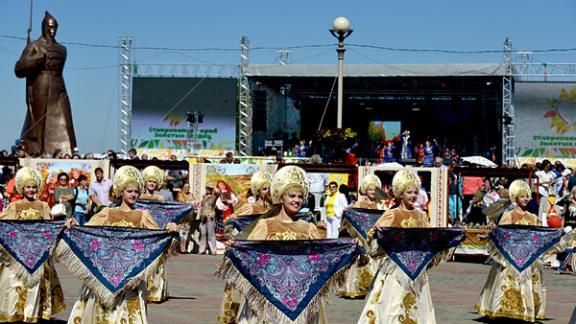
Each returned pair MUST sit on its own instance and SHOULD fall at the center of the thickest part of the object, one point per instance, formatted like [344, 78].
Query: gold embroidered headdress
[289, 178]
[259, 180]
[403, 179]
[127, 175]
[25, 177]
[518, 187]
[370, 181]
[153, 173]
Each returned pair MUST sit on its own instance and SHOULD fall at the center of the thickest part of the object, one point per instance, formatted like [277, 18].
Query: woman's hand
[358, 242]
[172, 227]
[71, 222]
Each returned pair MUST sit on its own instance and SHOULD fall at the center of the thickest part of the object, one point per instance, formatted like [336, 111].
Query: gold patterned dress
[157, 283]
[506, 293]
[276, 229]
[18, 301]
[359, 278]
[131, 307]
[392, 300]
[231, 301]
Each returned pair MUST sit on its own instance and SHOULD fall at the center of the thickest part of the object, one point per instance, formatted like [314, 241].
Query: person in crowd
[470, 185]
[175, 177]
[454, 197]
[303, 149]
[11, 193]
[318, 183]
[89, 156]
[187, 197]
[389, 301]
[17, 147]
[206, 215]
[229, 158]
[144, 157]
[570, 209]
[546, 179]
[429, 154]
[491, 193]
[64, 193]
[111, 155]
[289, 187]
[76, 156]
[133, 154]
[100, 190]
[474, 213]
[334, 204]
[506, 294]
[157, 283]
[21, 301]
[389, 152]
[131, 306]
[82, 204]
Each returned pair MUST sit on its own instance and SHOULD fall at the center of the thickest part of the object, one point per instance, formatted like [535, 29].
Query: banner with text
[545, 121]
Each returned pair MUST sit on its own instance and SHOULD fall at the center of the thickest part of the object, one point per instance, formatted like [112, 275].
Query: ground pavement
[455, 286]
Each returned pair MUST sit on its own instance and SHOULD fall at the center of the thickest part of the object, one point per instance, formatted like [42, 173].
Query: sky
[91, 73]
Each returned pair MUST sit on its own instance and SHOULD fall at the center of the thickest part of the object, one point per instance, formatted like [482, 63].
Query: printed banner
[545, 121]
[160, 117]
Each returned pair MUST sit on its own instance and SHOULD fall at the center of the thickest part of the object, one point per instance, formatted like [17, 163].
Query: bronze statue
[48, 125]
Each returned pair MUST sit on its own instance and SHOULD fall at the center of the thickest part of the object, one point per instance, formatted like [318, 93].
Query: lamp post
[340, 30]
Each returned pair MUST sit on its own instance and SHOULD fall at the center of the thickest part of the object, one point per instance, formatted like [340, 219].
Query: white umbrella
[479, 160]
[391, 165]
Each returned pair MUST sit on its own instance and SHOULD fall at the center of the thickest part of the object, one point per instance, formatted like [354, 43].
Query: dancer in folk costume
[260, 187]
[359, 277]
[289, 188]
[392, 298]
[131, 306]
[21, 301]
[507, 293]
[158, 283]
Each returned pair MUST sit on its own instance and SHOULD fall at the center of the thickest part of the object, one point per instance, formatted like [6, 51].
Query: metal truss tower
[245, 109]
[508, 141]
[125, 93]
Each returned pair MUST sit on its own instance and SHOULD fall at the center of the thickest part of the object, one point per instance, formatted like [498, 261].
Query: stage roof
[377, 70]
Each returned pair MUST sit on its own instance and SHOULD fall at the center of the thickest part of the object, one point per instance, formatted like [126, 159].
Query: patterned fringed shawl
[520, 246]
[414, 249]
[29, 243]
[288, 278]
[165, 212]
[241, 222]
[111, 260]
[359, 221]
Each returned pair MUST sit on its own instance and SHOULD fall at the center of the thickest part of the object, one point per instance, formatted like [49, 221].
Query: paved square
[455, 288]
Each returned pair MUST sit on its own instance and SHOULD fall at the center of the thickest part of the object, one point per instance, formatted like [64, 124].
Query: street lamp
[340, 30]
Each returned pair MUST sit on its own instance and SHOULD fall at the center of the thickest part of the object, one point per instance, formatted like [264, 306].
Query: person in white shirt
[545, 179]
[334, 204]
[100, 189]
[318, 183]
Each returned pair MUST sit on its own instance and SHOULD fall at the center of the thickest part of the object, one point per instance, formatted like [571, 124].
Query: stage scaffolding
[525, 71]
